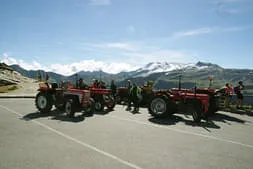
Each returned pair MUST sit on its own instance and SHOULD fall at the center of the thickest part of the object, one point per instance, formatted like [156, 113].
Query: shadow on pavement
[55, 115]
[239, 111]
[36, 115]
[173, 119]
[65, 118]
[226, 118]
[170, 120]
[104, 112]
[210, 123]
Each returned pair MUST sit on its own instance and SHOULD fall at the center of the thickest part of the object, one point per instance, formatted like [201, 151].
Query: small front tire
[99, 106]
[70, 108]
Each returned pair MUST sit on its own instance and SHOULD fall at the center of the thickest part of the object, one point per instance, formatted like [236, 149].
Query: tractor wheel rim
[42, 102]
[158, 106]
[98, 105]
[68, 108]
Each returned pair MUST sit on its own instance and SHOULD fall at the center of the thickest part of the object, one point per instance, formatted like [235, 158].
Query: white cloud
[207, 30]
[34, 65]
[123, 46]
[91, 65]
[199, 31]
[130, 29]
[100, 2]
[108, 45]
[69, 69]
[8, 60]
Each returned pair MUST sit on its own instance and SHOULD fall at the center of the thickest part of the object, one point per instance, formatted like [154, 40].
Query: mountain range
[164, 75]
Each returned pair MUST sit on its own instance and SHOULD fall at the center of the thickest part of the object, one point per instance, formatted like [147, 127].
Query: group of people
[97, 84]
[229, 91]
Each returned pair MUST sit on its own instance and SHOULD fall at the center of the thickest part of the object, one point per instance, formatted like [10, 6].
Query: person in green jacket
[136, 97]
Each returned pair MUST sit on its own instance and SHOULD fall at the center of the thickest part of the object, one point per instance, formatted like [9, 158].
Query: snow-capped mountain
[165, 75]
[159, 67]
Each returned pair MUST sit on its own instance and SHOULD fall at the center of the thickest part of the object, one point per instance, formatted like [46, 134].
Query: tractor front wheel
[99, 106]
[44, 102]
[70, 108]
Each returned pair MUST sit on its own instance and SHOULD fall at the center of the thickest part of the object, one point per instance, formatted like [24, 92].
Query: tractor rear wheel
[44, 102]
[159, 106]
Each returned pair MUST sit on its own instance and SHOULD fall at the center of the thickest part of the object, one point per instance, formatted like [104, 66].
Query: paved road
[121, 140]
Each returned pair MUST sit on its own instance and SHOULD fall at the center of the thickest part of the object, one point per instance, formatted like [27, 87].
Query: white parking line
[182, 131]
[76, 141]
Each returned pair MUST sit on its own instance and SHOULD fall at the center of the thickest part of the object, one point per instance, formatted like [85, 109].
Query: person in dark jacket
[238, 91]
[82, 85]
[113, 88]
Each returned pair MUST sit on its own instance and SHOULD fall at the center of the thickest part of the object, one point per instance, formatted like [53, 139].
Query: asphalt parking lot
[120, 139]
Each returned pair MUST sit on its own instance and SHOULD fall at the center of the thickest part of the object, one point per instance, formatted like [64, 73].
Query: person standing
[113, 88]
[238, 91]
[129, 99]
[95, 83]
[228, 95]
[136, 97]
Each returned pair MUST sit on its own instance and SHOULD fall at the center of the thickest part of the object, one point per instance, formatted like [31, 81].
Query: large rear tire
[44, 102]
[159, 106]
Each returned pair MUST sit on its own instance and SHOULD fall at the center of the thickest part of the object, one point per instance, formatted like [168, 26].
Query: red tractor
[122, 95]
[213, 97]
[199, 102]
[167, 102]
[161, 103]
[70, 100]
[102, 98]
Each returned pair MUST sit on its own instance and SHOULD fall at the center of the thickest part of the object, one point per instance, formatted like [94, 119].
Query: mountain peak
[202, 64]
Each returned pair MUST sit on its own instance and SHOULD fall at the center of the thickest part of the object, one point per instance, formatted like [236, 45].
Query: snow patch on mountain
[159, 67]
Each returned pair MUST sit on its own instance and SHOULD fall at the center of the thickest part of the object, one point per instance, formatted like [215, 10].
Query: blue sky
[70, 35]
